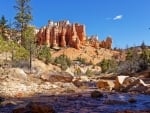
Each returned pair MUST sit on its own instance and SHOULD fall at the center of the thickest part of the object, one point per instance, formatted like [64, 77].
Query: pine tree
[3, 26]
[23, 16]
[29, 42]
[143, 46]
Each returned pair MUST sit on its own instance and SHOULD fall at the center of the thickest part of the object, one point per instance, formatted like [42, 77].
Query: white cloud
[118, 17]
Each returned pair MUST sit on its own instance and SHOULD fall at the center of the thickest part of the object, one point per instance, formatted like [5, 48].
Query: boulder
[35, 107]
[8, 103]
[13, 74]
[119, 81]
[105, 84]
[68, 70]
[19, 73]
[84, 78]
[131, 84]
[57, 77]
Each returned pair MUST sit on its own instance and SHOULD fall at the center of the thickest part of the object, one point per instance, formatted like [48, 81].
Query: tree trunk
[30, 65]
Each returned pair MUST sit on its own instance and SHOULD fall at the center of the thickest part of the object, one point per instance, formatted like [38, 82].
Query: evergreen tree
[3, 26]
[143, 46]
[23, 15]
[29, 42]
[145, 59]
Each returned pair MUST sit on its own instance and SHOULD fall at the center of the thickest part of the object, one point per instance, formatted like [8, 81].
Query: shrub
[44, 54]
[64, 61]
[88, 72]
[136, 61]
[109, 65]
[77, 71]
[82, 60]
[104, 65]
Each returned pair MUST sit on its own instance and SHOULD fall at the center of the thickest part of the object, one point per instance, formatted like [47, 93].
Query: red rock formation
[106, 44]
[62, 34]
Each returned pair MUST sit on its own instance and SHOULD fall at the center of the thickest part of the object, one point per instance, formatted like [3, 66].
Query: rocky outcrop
[62, 34]
[107, 43]
[14, 82]
[94, 42]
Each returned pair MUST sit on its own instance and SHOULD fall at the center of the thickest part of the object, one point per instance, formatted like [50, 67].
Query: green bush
[64, 61]
[44, 54]
[82, 60]
[89, 72]
[77, 71]
[104, 65]
[109, 65]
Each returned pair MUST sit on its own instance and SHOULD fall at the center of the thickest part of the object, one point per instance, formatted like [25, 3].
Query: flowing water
[83, 103]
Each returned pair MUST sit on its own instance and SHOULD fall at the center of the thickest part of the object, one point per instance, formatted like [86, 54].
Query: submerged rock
[35, 107]
[96, 94]
[132, 100]
[114, 102]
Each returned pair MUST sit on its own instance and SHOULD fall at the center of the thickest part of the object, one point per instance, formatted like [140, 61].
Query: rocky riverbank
[61, 92]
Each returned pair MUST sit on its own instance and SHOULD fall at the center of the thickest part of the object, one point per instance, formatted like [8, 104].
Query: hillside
[90, 54]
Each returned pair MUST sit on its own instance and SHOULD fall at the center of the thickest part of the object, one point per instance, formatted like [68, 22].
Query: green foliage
[136, 60]
[104, 65]
[29, 38]
[130, 54]
[143, 46]
[28, 42]
[3, 26]
[82, 60]
[44, 54]
[23, 15]
[109, 65]
[145, 59]
[89, 72]
[64, 61]
[77, 71]
[21, 53]
[4, 47]
[131, 64]
[18, 52]
[145, 55]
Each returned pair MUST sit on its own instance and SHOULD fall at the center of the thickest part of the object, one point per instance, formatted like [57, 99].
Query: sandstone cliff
[62, 34]
[65, 34]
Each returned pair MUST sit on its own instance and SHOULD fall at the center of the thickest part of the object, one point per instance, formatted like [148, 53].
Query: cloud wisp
[118, 17]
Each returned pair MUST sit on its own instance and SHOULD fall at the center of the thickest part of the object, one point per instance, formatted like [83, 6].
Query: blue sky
[127, 21]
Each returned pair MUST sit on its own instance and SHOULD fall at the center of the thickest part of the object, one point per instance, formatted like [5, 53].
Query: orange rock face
[94, 42]
[62, 34]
